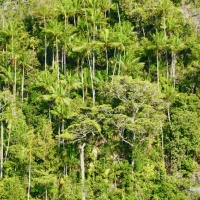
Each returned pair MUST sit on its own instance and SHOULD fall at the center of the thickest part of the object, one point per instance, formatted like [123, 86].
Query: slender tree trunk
[92, 69]
[3, 20]
[132, 172]
[53, 58]
[50, 118]
[65, 63]
[22, 95]
[119, 18]
[114, 70]
[88, 32]
[8, 144]
[15, 78]
[143, 31]
[62, 125]
[59, 133]
[57, 59]
[109, 1]
[6, 57]
[65, 169]
[62, 61]
[164, 26]
[65, 22]
[74, 20]
[46, 194]
[158, 75]
[3, 56]
[162, 139]
[168, 113]
[167, 63]
[93, 65]
[173, 68]
[45, 47]
[82, 170]
[82, 80]
[2, 149]
[92, 83]
[45, 53]
[120, 60]
[165, 37]
[29, 176]
[15, 86]
[62, 129]
[107, 67]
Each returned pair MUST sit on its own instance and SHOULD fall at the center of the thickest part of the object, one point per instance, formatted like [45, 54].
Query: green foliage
[8, 188]
[99, 99]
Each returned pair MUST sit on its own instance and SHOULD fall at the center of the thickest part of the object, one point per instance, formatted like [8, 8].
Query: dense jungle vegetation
[99, 99]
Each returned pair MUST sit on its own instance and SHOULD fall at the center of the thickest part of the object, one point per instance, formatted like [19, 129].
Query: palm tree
[83, 48]
[44, 10]
[55, 29]
[15, 31]
[159, 43]
[68, 9]
[67, 43]
[175, 45]
[2, 150]
[122, 39]
[26, 60]
[105, 38]
[58, 92]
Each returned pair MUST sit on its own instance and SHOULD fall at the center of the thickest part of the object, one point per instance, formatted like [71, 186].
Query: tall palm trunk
[107, 67]
[92, 83]
[173, 68]
[64, 62]
[57, 59]
[46, 194]
[82, 80]
[29, 176]
[62, 129]
[3, 24]
[22, 95]
[169, 115]
[15, 86]
[59, 133]
[114, 70]
[1, 172]
[119, 18]
[8, 143]
[88, 32]
[14, 64]
[15, 77]
[162, 139]
[45, 47]
[158, 75]
[74, 17]
[64, 48]
[165, 38]
[53, 60]
[93, 65]
[120, 60]
[82, 170]
[50, 121]
[167, 64]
